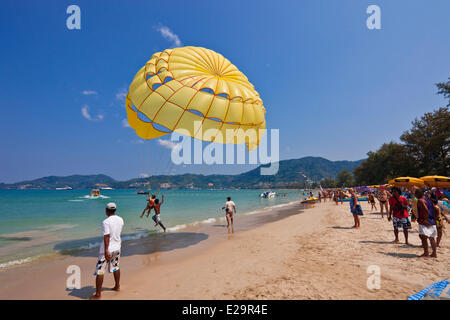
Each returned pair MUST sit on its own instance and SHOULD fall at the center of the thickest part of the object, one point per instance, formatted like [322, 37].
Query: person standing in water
[109, 250]
[150, 205]
[230, 209]
[156, 218]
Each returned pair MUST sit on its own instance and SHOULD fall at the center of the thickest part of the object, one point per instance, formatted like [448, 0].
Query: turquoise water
[39, 222]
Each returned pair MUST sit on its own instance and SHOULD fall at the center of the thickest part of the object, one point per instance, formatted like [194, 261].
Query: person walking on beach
[156, 218]
[109, 250]
[427, 225]
[355, 208]
[230, 208]
[383, 199]
[371, 199]
[398, 207]
[341, 196]
[335, 197]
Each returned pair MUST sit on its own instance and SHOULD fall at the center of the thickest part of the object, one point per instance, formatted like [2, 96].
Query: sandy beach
[290, 252]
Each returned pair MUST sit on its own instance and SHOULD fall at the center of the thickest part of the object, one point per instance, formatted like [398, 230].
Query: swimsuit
[358, 210]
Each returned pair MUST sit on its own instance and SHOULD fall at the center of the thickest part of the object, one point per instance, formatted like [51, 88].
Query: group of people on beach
[420, 204]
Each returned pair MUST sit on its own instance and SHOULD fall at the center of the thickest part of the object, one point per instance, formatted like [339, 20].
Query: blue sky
[334, 88]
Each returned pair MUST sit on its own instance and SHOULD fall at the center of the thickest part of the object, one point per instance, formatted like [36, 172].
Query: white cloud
[169, 36]
[169, 144]
[89, 92]
[121, 95]
[139, 141]
[125, 123]
[85, 113]
[144, 175]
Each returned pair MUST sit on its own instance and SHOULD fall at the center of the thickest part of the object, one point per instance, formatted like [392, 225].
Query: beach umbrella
[406, 182]
[437, 181]
[196, 92]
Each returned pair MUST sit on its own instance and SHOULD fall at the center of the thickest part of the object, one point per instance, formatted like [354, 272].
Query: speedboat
[64, 188]
[267, 195]
[95, 193]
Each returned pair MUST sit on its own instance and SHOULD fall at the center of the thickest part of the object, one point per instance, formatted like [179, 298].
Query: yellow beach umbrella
[437, 181]
[406, 182]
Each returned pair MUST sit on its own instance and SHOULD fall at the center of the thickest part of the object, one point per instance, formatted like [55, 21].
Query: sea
[40, 223]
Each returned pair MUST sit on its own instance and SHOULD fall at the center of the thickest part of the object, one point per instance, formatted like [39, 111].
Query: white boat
[267, 195]
[64, 188]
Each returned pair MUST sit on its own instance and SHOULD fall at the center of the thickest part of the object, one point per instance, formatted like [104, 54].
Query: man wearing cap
[109, 249]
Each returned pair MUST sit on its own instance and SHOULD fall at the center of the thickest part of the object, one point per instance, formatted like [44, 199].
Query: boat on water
[64, 188]
[95, 193]
[267, 195]
[142, 191]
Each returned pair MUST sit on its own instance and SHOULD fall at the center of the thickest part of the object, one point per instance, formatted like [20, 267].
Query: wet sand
[49, 272]
[283, 253]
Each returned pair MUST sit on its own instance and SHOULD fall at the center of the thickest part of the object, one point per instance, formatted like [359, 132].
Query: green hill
[294, 173]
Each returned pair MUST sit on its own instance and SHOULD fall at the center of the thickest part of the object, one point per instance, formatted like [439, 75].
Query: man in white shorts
[109, 249]
[427, 225]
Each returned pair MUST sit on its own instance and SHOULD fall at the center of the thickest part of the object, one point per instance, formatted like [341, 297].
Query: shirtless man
[150, 205]
[157, 207]
[427, 225]
[383, 199]
[230, 208]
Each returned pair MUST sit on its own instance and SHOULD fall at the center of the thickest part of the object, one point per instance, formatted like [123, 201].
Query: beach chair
[436, 291]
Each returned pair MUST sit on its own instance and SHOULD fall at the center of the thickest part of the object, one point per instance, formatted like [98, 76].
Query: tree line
[423, 150]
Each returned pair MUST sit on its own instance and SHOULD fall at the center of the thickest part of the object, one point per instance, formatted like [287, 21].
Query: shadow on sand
[83, 293]
[161, 242]
[341, 228]
[377, 242]
[400, 255]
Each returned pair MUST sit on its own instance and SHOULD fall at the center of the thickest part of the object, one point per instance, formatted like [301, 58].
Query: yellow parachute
[191, 90]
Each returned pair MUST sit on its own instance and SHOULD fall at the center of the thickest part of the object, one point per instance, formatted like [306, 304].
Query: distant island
[294, 173]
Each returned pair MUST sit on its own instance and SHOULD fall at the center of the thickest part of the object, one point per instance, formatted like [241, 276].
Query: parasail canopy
[191, 90]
